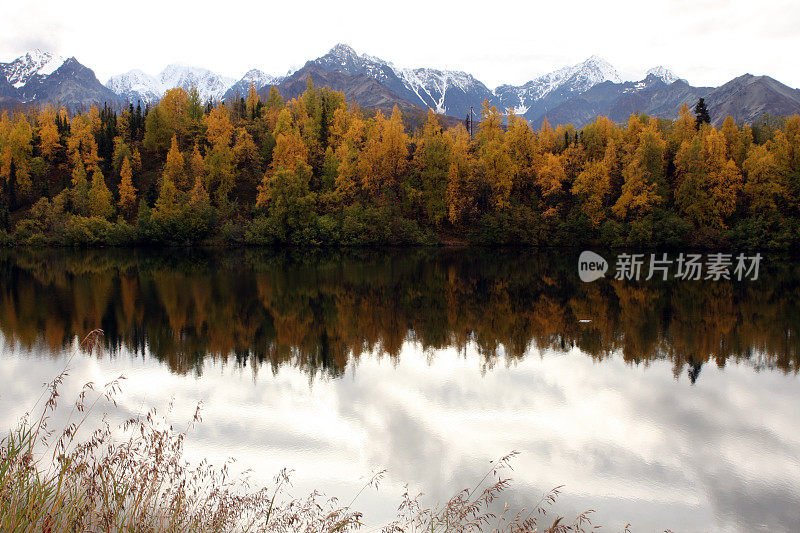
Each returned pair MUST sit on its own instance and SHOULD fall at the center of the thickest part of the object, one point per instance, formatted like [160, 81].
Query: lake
[663, 404]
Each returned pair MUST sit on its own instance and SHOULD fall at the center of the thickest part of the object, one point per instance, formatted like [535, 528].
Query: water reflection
[432, 362]
[316, 309]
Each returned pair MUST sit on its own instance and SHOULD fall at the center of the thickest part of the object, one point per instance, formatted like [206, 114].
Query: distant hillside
[748, 98]
[574, 94]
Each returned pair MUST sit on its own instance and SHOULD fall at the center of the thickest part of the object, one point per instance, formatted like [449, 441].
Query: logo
[591, 266]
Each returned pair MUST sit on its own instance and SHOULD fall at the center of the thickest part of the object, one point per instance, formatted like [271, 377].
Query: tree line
[317, 170]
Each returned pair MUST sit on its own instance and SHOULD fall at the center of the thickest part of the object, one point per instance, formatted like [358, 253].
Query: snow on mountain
[208, 84]
[446, 91]
[662, 73]
[33, 63]
[454, 92]
[439, 89]
[343, 58]
[573, 79]
[255, 77]
[258, 78]
[136, 85]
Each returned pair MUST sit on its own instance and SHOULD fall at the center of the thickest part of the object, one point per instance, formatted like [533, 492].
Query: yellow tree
[546, 138]
[596, 136]
[684, 128]
[198, 197]
[167, 206]
[631, 137]
[272, 108]
[592, 187]
[494, 163]
[175, 168]
[100, 197]
[384, 157]
[460, 190]
[48, 132]
[127, 192]
[522, 149]
[395, 146]
[290, 153]
[196, 165]
[763, 186]
[19, 150]
[175, 106]
[121, 151]
[708, 183]
[220, 175]
[643, 174]
[253, 102]
[791, 130]
[550, 178]
[350, 131]
[80, 188]
[136, 160]
[245, 150]
[219, 129]
[81, 142]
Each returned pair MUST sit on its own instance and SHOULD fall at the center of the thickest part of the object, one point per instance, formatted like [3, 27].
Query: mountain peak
[32, 63]
[136, 85]
[601, 69]
[662, 73]
[343, 49]
[594, 58]
[254, 73]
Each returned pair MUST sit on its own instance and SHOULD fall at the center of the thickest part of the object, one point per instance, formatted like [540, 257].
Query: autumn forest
[317, 171]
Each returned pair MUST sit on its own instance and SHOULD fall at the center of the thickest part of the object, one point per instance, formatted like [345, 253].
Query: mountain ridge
[574, 94]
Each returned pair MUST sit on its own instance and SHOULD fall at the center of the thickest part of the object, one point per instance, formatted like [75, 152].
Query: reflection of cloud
[629, 441]
[745, 505]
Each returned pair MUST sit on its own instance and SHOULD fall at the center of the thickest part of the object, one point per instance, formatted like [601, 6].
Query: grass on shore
[134, 477]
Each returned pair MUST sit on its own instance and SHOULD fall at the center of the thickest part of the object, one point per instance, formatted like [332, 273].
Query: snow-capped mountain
[45, 78]
[255, 77]
[342, 59]
[662, 73]
[208, 84]
[33, 63]
[136, 85]
[372, 81]
[571, 95]
[445, 91]
[555, 87]
[450, 92]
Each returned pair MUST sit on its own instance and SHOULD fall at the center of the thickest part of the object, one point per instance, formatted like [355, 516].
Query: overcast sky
[707, 42]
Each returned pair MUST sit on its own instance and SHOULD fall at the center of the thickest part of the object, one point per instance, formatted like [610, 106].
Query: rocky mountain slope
[43, 78]
[574, 94]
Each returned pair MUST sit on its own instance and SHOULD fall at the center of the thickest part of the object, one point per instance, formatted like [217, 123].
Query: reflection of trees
[317, 309]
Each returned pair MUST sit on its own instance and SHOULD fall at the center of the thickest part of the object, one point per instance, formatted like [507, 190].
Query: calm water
[675, 407]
